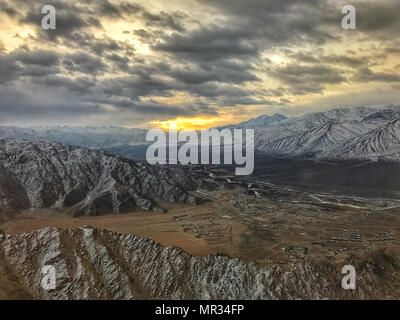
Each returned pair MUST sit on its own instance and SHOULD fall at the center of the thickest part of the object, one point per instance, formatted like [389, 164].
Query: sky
[139, 63]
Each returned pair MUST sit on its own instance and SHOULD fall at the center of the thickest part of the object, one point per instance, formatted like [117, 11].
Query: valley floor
[259, 228]
[266, 224]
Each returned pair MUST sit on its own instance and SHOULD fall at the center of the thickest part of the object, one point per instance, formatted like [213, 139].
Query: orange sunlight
[197, 123]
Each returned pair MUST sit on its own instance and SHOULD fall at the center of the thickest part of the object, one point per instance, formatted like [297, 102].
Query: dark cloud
[99, 46]
[172, 21]
[392, 50]
[70, 19]
[334, 59]
[125, 9]
[22, 63]
[379, 17]
[26, 103]
[84, 63]
[276, 21]
[117, 10]
[8, 9]
[214, 90]
[208, 44]
[106, 8]
[122, 63]
[350, 61]
[307, 79]
[81, 85]
[9, 69]
[137, 86]
[367, 75]
[39, 57]
[226, 72]
[215, 64]
[209, 53]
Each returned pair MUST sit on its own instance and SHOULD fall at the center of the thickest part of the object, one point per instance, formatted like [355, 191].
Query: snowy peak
[263, 121]
[359, 132]
[313, 120]
[349, 114]
[324, 137]
[383, 141]
[383, 116]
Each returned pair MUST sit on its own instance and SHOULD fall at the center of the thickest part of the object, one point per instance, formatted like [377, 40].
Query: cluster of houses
[383, 236]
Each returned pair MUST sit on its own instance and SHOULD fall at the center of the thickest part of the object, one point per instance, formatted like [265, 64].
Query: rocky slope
[88, 182]
[324, 137]
[98, 264]
[309, 121]
[348, 133]
[383, 116]
[381, 142]
[12, 194]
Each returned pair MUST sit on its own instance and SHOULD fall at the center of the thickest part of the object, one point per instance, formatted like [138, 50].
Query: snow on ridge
[86, 181]
[347, 133]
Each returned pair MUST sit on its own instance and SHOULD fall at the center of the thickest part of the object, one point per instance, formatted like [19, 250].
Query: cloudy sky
[128, 63]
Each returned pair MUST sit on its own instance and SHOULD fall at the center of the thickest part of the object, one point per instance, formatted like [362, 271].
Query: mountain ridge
[90, 182]
[305, 135]
[383, 141]
[276, 134]
[99, 264]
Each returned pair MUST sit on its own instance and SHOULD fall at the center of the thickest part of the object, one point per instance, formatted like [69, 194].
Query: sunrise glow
[197, 123]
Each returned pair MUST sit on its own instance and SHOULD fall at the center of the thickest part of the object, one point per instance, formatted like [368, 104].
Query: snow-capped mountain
[87, 182]
[101, 137]
[261, 121]
[326, 136]
[383, 116]
[266, 134]
[312, 134]
[359, 132]
[384, 141]
[348, 114]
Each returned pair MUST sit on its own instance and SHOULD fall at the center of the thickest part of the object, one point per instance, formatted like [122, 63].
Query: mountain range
[86, 181]
[347, 133]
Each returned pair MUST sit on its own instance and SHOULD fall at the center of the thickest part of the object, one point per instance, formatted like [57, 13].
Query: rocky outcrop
[88, 182]
[12, 194]
[98, 264]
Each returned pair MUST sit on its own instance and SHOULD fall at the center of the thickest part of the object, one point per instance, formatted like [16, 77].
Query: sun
[197, 123]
